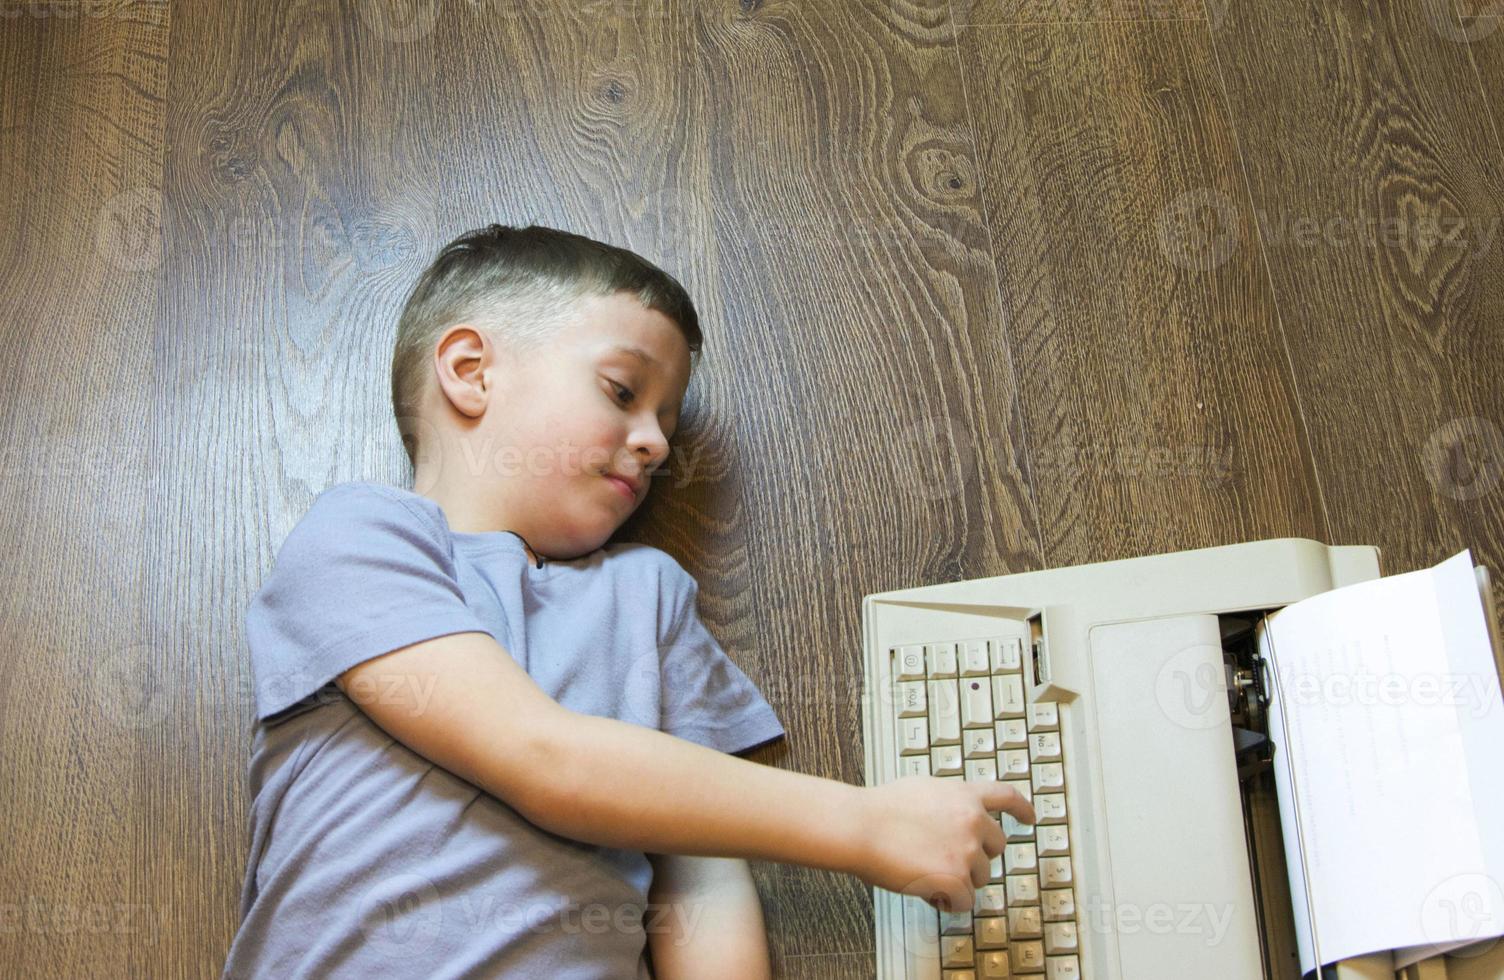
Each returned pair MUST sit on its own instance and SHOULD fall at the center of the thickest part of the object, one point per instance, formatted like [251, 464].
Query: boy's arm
[706, 920]
[462, 702]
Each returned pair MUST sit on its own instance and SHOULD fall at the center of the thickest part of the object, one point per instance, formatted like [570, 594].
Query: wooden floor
[989, 286]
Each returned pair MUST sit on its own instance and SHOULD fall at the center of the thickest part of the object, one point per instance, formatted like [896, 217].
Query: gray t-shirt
[369, 860]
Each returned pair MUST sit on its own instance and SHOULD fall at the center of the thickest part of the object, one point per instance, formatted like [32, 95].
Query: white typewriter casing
[1083, 610]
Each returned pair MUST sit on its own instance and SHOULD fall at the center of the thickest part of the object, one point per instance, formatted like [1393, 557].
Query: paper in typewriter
[1388, 730]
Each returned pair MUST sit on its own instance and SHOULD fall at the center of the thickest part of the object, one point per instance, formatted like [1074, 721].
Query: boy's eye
[627, 397]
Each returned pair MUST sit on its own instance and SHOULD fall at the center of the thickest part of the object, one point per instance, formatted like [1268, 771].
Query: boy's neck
[463, 521]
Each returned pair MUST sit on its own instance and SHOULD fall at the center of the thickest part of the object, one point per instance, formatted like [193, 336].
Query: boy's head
[513, 392]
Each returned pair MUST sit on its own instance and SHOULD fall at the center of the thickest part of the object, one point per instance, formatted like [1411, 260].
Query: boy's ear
[464, 368]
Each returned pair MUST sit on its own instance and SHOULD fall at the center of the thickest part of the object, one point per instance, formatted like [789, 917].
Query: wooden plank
[1373, 163]
[1159, 411]
[882, 449]
[80, 182]
[1040, 12]
[1480, 26]
[298, 193]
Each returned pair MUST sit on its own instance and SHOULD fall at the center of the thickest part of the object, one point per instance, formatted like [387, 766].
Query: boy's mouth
[628, 487]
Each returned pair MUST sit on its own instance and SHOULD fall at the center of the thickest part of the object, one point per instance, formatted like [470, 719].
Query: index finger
[999, 796]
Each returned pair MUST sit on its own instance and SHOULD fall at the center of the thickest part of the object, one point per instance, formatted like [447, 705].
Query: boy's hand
[934, 838]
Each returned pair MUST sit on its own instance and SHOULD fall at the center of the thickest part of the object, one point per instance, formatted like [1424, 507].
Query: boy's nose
[650, 453]
[647, 456]
[651, 459]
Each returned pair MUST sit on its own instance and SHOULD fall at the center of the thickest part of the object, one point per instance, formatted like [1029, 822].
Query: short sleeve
[705, 696]
[364, 573]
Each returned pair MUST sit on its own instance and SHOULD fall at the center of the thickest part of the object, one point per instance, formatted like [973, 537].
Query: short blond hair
[521, 285]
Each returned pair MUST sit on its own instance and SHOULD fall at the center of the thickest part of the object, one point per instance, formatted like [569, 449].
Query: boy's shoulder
[367, 488]
[368, 503]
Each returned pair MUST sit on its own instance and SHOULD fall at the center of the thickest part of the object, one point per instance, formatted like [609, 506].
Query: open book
[1388, 726]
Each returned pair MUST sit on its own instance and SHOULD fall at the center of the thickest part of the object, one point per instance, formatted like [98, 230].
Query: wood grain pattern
[988, 285]
[1483, 33]
[80, 691]
[298, 194]
[853, 262]
[1040, 12]
[1159, 409]
[1380, 216]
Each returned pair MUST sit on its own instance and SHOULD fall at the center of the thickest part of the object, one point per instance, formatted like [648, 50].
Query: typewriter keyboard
[962, 714]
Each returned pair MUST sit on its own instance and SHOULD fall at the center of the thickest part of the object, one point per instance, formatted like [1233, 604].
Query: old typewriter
[1130, 700]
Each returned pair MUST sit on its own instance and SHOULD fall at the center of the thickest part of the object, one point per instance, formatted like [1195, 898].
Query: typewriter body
[1125, 698]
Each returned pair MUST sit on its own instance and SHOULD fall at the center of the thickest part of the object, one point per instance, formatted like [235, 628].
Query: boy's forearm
[625, 786]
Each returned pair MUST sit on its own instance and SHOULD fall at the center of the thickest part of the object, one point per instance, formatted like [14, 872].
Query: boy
[478, 721]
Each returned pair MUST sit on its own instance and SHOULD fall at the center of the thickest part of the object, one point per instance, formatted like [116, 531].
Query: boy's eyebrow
[636, 352]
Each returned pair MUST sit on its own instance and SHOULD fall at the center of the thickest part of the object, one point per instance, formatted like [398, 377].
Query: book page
[1388, 727]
